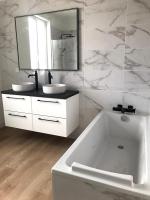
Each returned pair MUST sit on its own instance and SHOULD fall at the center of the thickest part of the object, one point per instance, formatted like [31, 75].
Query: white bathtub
[112, 151]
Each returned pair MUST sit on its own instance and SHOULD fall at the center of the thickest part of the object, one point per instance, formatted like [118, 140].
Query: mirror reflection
[48, 41]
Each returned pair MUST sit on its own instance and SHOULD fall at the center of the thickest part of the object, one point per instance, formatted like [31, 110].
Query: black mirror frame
[78, 41]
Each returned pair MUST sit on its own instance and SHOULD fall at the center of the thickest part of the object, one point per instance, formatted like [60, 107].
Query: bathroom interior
[75, 99]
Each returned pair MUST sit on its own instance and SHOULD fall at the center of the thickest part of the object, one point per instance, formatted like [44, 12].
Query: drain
[120, 147]
[125, 118]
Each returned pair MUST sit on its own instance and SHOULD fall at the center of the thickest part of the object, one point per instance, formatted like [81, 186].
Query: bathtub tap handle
[118, 108]
[131, 109]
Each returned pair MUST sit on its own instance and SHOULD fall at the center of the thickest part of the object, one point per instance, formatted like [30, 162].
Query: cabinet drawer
[17, 103]
[49, 125]
[49, 107]
[18, 120]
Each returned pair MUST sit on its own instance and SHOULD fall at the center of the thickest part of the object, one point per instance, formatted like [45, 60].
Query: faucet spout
[50, 77]
[36, 79]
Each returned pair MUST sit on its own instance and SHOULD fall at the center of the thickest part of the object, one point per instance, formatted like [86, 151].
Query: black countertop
[39, 93]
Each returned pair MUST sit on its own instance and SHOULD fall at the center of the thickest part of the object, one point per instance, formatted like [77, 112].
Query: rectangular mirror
[48, 41]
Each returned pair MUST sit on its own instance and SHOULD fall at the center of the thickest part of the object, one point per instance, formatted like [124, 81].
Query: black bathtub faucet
[120, 108]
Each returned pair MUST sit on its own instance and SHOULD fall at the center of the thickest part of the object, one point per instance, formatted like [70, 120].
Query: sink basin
[54, 88]
[23, 87]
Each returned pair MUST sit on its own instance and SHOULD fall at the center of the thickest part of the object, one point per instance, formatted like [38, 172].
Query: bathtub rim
[62, 168]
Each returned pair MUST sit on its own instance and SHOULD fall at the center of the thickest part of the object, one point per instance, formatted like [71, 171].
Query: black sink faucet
[50, 77]
[36, 79]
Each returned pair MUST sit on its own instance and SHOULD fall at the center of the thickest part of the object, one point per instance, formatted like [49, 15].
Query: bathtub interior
[114, 145]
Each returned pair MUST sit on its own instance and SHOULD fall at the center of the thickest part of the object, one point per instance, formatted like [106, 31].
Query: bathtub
[112, 150]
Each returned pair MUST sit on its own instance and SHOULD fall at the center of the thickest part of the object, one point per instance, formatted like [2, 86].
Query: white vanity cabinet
[52, 116]
[55, 116]
[17, 111]
[18, 120]
[50, 107]
[17, 103]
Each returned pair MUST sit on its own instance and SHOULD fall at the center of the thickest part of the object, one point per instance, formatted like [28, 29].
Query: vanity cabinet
[17, 111]
[52, 116]
[50, 125]
[17, 103]
[18, 120]
[49, 107]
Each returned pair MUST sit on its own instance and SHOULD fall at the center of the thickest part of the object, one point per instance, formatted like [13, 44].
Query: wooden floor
[26, 159]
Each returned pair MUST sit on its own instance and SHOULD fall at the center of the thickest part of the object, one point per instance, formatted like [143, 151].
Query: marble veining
[110, 13]
[102, 67]
[137, 80]
[138, 11]
[138, 36]
[137, 59]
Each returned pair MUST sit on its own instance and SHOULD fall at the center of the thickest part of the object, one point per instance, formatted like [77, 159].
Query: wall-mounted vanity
[47, 41]
[55, 114]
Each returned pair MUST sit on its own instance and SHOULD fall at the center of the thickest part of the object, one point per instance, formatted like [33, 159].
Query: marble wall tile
[74, 80]
[103, 98]
[104, 69]
[138, 36]
[105, 59]
[136, 80]
[97, 79]
[98, 39]
[105, 14]
[50, 5]
[9, 9]
[138, 11]
[108, 29]
[140, 100]
[137, 59]
[7, 43]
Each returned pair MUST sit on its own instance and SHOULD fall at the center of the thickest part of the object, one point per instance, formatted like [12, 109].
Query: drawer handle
[15, 98]
[48, 120]
[47, 101]
[13, 115]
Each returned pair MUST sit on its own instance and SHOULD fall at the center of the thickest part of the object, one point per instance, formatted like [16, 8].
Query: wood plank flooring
[26, 159]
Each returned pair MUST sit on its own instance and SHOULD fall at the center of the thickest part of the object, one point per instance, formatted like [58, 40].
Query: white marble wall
[115, 56]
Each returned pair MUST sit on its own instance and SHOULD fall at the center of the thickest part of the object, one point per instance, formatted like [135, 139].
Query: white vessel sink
[23, 87]
[54, 88]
